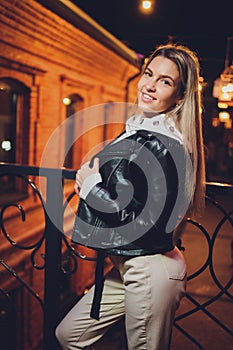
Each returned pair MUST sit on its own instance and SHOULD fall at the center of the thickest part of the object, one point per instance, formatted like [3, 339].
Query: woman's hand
[84, 172]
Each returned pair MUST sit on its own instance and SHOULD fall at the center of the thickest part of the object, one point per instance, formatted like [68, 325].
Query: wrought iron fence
[51, 259]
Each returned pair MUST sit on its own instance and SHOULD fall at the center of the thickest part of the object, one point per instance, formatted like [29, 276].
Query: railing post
[54, 212]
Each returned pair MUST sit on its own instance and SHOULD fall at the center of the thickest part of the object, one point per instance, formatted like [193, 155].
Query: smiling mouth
[146, 97]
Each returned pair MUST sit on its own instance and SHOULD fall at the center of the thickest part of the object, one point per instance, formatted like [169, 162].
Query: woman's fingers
[78, 182]
[96, 165]
[84, 172]
[76, 188]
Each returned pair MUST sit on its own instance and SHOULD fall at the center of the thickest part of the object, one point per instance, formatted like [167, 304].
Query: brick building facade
[54, 61]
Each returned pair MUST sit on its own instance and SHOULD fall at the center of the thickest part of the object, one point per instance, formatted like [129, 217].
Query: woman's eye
[148, 73]
[165, 82]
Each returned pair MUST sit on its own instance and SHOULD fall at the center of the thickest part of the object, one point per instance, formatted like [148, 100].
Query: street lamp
[146, 6]
[67, 101]
[224, 116]
[223, 91]
[226, 86]
[223, 86]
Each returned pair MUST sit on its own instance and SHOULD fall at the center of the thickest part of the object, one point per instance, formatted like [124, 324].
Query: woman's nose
[151, 85]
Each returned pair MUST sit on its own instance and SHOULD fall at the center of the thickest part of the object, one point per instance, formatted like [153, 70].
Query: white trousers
[147, 291]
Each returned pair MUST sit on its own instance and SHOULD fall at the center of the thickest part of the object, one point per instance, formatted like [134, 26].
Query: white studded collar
[158, 123]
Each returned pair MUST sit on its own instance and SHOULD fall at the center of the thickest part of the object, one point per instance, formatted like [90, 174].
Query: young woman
[132, 197]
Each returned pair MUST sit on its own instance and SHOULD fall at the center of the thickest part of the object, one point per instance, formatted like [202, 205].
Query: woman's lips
[146, 98]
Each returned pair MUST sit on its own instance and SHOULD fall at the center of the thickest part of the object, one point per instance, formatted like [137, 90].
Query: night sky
[202, 25]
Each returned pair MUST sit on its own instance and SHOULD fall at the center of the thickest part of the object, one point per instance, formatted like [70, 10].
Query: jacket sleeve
[89, 182]
[140, 190]
[117, 202]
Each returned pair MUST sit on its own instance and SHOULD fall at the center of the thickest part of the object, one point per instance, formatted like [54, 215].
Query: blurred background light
[146, 6]
[67, 101]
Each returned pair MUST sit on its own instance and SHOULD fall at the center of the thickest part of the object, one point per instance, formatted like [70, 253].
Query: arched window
[14, 128]
[114, 120]
[74, 104]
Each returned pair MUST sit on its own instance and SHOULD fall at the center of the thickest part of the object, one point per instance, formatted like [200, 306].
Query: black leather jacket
[135, 208]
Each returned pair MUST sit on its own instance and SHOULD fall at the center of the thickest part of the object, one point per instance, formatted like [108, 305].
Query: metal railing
[200, 305]
[53, 237]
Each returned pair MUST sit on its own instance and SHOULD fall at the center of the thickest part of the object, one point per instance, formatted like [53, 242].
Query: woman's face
[158, 88]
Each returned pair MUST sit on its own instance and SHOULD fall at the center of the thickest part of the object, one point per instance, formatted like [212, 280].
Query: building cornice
[78, 18]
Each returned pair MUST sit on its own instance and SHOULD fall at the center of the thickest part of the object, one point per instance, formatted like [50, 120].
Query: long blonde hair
[188, 117]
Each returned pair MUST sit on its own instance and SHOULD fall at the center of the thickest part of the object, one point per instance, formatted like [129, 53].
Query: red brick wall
[53, 59]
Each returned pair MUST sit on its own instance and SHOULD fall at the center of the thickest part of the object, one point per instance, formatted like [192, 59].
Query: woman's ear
[180, 98]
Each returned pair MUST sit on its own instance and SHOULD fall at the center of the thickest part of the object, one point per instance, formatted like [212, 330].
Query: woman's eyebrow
[167, 76]
[148, 70]
[161, 75]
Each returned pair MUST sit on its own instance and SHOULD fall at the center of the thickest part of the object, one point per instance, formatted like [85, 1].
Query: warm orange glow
[67, 101]
[146, 6]
[226, 86]
[215, 122]
[228, 124]
[224, 116]
[222, 105]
